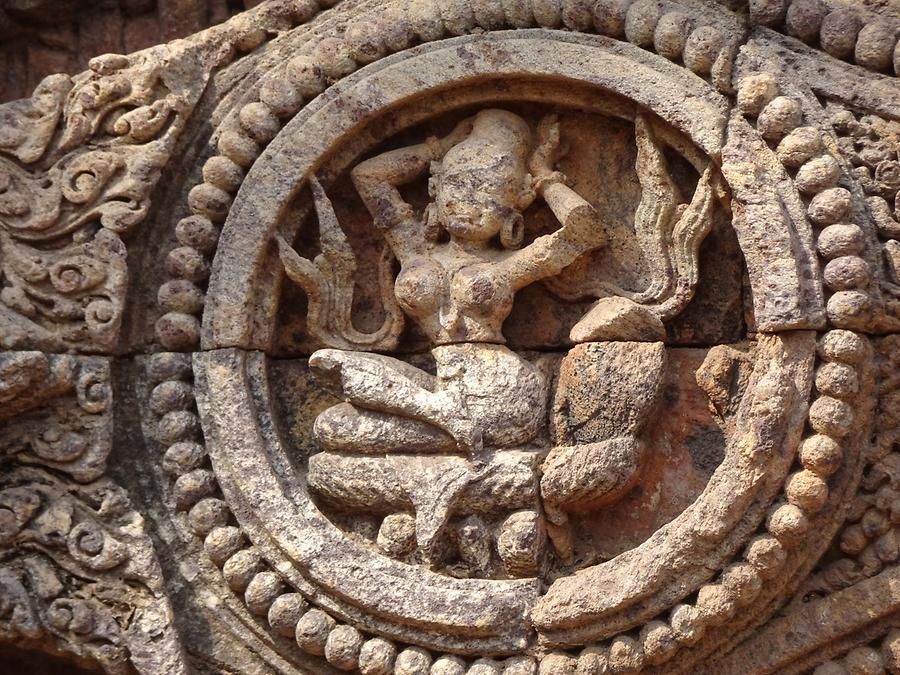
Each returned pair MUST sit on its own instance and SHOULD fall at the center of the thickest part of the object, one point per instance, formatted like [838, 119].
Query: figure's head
[482, 185]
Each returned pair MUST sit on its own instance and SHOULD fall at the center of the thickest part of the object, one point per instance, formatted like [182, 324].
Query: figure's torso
[454, 296]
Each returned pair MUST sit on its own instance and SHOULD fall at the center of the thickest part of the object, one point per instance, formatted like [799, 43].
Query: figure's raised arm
[580, 231]
[377, 179]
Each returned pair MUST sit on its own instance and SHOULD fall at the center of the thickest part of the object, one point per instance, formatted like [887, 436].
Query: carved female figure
[483, 175]
[459, 289]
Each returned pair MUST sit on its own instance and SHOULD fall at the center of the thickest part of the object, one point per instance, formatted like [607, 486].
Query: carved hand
[546, 154]
[460, 132]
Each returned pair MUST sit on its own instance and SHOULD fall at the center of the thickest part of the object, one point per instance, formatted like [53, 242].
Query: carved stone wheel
[492, 337]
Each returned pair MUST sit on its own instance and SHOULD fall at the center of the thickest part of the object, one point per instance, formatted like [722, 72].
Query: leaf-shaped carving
[54, 412]
[117, 125]
[329, 281]
[27, 126]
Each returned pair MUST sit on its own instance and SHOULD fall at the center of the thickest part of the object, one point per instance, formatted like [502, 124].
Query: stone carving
[871, 145]
[79, 575]
[519, 337]
[868, 539]
[57, 412]
[133, 115]
[78, 161]
[84, 581]
[485, 400]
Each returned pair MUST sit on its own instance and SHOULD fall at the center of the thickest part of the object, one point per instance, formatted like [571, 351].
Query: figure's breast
[468, 304]
[481, 294]
[420, 288]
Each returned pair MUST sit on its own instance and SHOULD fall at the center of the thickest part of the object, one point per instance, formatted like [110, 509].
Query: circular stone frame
[401, 601]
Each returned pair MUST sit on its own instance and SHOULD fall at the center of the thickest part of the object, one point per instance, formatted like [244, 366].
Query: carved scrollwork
[77, 568]
[81, 159]
[75, 565]
[32, 610]
[54, 535]
[57, 412]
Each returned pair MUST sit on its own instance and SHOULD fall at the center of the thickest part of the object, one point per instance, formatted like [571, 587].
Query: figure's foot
[397, 535]
[468, 436]
[327, 367]
[521, 543]
[584, 477]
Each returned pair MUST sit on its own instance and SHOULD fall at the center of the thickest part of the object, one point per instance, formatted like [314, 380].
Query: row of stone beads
[847, 274]
[801, 149]
[816, 173]
[840, 244]
[346, 648]
[837, 382]
[265, 594]
[672, 33]
[645, 23]
[316, 632]
[195, 488]
[659, 640]
[830, 417]
[840, 32]
[868, 537]
[209, 517]
[243, 569]
[867, 660]
[871, 537]
[178, 429]
[188, 265]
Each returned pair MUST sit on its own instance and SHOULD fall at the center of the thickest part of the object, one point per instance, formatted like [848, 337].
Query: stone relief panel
[493, 338]
[79, 575]
[483, 399]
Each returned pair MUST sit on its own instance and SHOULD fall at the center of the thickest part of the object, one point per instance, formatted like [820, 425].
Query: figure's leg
[388, 385]
[347, 428]
[338, 370]
[430, 485]
[355, 483]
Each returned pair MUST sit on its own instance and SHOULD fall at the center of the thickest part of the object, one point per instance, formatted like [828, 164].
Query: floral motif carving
[56, 412]
[83, 184]
[78, 575]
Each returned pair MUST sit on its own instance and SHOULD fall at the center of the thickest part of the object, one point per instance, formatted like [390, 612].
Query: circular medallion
[510, 403]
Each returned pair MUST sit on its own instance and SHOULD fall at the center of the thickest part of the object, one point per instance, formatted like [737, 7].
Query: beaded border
[241, 140]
